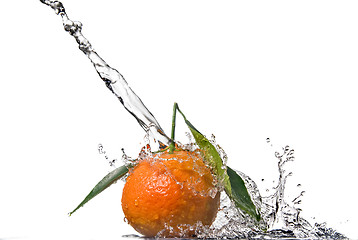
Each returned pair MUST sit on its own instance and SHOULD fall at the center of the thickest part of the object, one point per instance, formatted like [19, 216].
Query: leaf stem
[172, 136]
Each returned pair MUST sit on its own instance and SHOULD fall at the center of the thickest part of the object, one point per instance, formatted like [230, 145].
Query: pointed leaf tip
[108, 180]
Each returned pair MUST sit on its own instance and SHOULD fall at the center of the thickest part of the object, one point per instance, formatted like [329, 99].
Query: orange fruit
[167, 194]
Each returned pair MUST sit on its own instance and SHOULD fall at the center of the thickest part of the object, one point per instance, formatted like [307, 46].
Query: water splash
[281, 217]
[114, 81]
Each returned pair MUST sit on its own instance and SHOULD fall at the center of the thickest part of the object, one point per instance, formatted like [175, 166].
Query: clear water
[114, 81]
[281, 218]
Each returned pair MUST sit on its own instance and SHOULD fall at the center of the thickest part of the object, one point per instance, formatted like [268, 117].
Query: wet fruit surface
[166, 193]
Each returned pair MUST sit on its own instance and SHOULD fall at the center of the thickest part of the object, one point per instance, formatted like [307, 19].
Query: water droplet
[100, 148]
[106, 157]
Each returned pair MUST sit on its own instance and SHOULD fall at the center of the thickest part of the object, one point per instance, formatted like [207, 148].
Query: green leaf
[240, 196]
[108, 180]
[234, 186]
[209, 151]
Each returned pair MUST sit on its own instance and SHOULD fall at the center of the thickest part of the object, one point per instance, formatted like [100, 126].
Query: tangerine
[168, 193]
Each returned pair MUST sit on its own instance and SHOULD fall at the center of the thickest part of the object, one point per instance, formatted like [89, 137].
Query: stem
[172, 136]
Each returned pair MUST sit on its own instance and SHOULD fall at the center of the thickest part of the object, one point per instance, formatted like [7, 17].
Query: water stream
[114, 81]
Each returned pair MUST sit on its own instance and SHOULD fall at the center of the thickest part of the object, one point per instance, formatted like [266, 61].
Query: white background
[244, 71]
